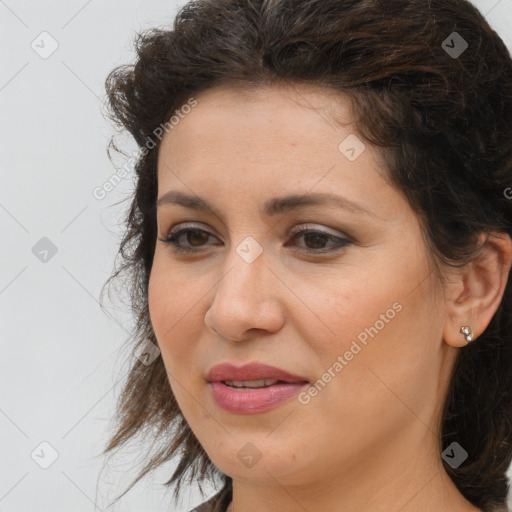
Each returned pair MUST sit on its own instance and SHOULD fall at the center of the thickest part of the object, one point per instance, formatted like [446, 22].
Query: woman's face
[347, 304]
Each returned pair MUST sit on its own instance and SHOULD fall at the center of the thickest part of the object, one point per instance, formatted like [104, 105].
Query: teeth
[250, 383]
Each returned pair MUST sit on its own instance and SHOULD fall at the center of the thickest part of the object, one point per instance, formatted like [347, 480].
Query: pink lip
[251, 371]
[252, 401]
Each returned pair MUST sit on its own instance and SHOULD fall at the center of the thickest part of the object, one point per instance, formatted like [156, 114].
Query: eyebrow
[272, 206]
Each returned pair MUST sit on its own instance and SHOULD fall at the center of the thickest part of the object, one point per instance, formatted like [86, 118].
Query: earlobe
[467, 332]
[483, 283]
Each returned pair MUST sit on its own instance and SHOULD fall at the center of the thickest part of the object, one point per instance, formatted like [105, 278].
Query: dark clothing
[217, 503]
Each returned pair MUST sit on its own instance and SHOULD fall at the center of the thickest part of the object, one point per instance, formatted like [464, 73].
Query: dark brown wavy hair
[444, 125]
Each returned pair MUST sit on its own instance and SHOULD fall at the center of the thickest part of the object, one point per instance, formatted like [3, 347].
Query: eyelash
[173, 238]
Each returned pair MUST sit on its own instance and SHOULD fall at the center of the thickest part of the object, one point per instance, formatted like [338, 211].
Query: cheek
[388, 346]
[375, 319]
[175, 311]
[167, 298]
[157, 303]
[341, 311]
[165, 309]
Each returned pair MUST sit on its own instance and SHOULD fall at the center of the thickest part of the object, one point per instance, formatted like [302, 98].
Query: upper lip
[251, 371]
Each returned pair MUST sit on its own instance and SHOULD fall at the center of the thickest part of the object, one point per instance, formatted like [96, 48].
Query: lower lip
[253, 401]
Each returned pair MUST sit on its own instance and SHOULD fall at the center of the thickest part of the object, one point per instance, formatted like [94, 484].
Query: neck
[389, 481]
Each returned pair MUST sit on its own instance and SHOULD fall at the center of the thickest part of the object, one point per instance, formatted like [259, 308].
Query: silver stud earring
[467, 332]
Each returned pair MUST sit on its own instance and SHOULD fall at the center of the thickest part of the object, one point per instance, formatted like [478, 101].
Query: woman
[321, 213]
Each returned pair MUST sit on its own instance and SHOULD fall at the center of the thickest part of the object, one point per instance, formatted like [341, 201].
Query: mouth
[252, 375]
[254, 384]
[253, 388]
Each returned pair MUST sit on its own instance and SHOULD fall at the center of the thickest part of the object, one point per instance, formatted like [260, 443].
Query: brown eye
[316, 241]
[194, 237]
[194, 240]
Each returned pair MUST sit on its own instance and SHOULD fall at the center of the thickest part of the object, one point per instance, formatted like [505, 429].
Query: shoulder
[217, 503]
[207, 506]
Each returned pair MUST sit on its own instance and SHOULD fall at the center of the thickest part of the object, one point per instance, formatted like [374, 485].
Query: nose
[247, 300]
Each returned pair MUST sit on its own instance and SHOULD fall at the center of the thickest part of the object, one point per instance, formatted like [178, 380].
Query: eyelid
[297, 229]
[302, 227]
[189, 225]
[340, 241]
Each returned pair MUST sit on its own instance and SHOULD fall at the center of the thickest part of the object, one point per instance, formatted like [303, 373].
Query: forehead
[255, 107]
[296, 122]
[247, 141]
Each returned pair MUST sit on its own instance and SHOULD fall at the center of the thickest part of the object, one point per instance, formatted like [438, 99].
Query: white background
[62, 355]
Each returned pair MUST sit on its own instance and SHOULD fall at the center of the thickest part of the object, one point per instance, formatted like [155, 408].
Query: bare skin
[367, 441]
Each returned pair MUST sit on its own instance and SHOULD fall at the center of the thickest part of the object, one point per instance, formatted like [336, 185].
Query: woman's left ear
[477, 291]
